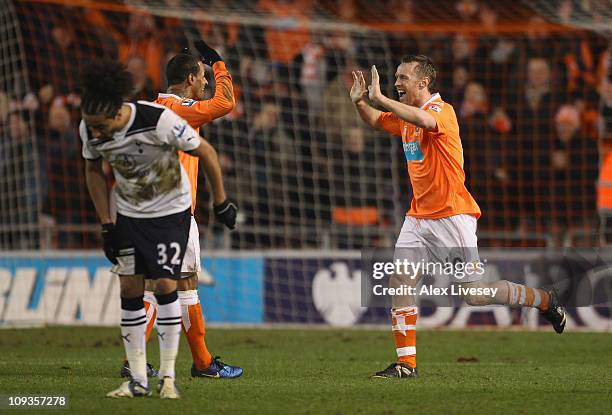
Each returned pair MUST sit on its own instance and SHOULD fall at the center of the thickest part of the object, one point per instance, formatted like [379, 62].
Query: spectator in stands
[340, 52]
[312, 69]
[18, 178]
[266, 142]
[354, 171]
[486, 175]
[574, 162]
[347, 11]
[60, 155]
[538, 41]
[56, 51]
[354, 190]
[538, 96]
[17, 127]
[497, 54]
[142, 39]
[460, 80]
[143, 86]
[467, 10]
[462, 48]
[288, 34]
[339, 113]
[402, 43]
[64, 52]
[475, 103]
[532, 115]
[460, 52]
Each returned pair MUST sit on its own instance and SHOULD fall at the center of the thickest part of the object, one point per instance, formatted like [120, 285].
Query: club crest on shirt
[124, 163]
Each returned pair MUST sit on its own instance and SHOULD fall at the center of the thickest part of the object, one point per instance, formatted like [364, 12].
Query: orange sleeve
[222, 103]
[444, 116]
[390, 122]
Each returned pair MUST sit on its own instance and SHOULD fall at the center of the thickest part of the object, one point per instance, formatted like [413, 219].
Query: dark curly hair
[105, 84]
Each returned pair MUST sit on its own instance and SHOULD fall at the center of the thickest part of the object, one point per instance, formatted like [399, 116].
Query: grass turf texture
[326, 371]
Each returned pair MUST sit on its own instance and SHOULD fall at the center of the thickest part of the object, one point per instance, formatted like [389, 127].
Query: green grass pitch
[325, 371]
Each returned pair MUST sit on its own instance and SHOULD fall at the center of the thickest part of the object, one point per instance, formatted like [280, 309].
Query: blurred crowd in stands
[532, 102]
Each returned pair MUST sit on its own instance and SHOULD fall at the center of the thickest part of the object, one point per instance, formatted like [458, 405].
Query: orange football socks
[520, 295]
[194, 327]
[150, 304]
[403, 320]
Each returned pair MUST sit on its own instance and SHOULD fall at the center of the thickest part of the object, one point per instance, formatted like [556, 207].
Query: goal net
[530, 92]
[529, 82]
[20, 192]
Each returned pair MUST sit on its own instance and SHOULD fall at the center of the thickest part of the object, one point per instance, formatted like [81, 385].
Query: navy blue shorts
[153, 247]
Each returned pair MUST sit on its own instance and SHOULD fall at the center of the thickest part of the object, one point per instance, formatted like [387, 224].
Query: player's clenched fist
[358, 90]
[226, 213]
[209, 55]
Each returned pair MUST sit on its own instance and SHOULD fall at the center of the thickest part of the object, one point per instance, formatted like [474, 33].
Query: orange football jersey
[199, 113]
[435, 163]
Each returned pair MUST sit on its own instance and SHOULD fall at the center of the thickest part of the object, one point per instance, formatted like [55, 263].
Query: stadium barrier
[306, 287]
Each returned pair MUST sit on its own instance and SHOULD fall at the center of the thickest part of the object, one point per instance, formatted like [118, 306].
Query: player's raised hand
[209, 55]
[358, 90]
[374, 88]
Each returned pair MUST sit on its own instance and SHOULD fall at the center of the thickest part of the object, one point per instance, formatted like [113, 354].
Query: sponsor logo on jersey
[187, 102]
[413, 151]
[435, 108]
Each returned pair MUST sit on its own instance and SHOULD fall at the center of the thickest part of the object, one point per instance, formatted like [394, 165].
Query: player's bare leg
[518, 295]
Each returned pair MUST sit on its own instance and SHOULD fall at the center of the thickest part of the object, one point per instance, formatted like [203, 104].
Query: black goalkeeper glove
[209, 55]
[226, 213]
[108, 236]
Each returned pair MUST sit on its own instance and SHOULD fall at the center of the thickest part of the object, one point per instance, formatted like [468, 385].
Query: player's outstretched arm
[223, 101]
[96, 185]
[368, 114]
[408, 113]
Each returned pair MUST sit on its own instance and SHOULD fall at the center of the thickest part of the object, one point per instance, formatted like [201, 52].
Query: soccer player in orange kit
[185, 93]
[443, 213]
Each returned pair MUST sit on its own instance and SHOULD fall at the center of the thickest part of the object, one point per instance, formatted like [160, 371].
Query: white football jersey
[150, 179]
